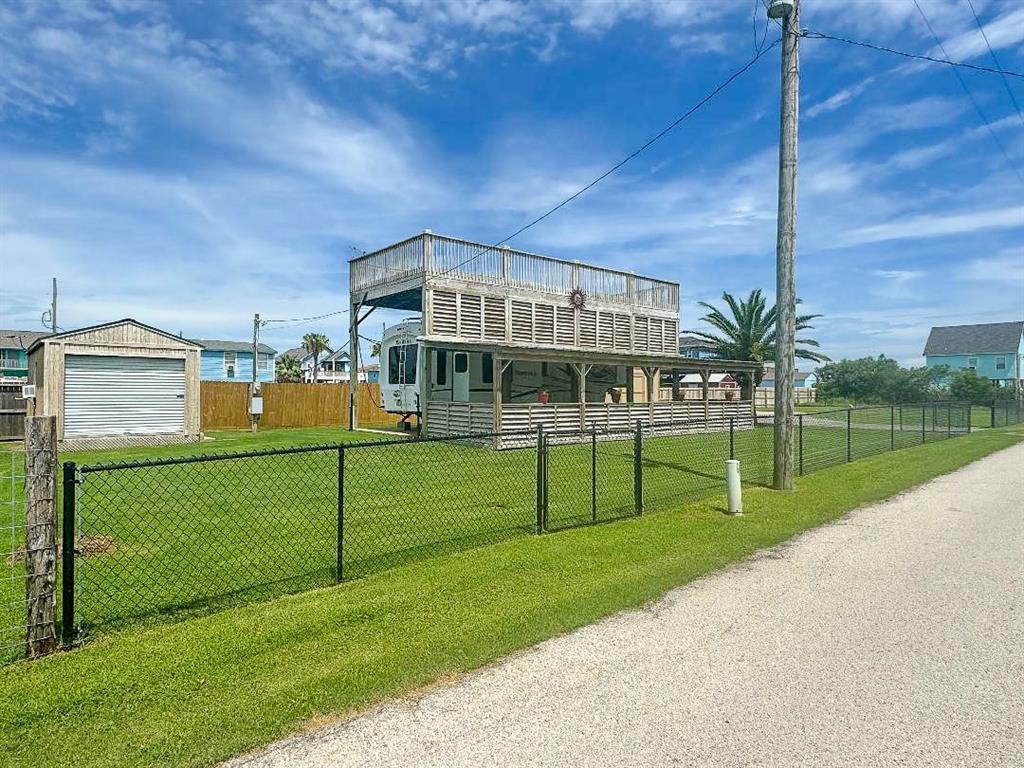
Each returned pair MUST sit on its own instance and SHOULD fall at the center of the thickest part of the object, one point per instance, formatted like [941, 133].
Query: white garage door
[123, 395]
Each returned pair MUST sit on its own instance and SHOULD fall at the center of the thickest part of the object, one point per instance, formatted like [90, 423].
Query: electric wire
[995, 60]
[963, 84]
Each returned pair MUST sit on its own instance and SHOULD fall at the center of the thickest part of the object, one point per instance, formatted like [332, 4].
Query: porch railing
[429, 254]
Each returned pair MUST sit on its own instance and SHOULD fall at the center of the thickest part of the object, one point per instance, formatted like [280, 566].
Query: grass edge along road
[204, 690]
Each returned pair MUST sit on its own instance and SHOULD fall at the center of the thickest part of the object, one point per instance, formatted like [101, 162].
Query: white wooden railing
[430, 254]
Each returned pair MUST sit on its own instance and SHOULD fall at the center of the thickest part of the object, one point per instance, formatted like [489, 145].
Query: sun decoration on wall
[577, 298]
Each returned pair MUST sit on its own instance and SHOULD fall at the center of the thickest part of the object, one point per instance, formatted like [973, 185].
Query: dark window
[441, 367]
[487, 369]
[394, 364]
[402, 364]
[461, 362]
[410, 363]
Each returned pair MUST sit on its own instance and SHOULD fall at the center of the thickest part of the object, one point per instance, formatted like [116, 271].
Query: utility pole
[785, 268]
[255, 366]
[53, 308]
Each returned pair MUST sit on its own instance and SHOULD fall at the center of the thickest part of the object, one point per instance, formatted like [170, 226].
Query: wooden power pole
[255, 370]
[785, 268]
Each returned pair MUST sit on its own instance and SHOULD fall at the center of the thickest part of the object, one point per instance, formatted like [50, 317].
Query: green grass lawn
[170, 542]
[199, 691]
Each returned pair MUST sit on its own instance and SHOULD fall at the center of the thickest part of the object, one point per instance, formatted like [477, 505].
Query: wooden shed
[120, 383]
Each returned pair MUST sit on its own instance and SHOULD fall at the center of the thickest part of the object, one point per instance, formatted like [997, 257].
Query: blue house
[232, 361]
[13, 353]
[992, 350]
[695, 348]
[801, 379]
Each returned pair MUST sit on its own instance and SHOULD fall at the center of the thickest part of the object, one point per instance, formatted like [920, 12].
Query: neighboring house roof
[297, 352]
[219, 345]
[76, 331]
[336, 356]
[714, 378]
[798, 376]
[691, 342]
[12, 339]
[983, 339]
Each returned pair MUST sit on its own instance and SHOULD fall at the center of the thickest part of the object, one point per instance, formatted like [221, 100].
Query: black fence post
[923, 440]
[732, 436]
[593, 474]
[541, 479]
[849, 435]
[892, 427]
[800, 432]
[970, 416]
[992, 414]
[949, 421]
[67, 562]
[638, 470]
[340, 566]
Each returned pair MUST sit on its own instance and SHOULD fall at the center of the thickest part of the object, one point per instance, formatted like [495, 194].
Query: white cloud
[1006, 267]
[936, 225]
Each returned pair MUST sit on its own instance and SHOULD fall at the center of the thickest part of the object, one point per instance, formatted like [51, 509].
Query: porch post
[675, 384]
[581, 392]
[630, 394]
[426, 386]
[705, 394]
[353, 352]
[649, 375]
[496, 374]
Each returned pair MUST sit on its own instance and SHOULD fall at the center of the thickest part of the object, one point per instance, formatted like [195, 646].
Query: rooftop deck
[437, 259]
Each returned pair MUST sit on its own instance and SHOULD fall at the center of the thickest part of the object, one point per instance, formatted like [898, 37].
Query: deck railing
[429, 254]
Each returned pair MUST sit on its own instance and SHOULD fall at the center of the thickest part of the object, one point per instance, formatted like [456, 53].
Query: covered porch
[478, 387]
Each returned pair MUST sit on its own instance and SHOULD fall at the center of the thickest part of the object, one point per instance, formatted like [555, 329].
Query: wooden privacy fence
[12, 413]
[225, 405]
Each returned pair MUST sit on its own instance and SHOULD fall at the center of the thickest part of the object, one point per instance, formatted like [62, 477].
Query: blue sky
[188, 164]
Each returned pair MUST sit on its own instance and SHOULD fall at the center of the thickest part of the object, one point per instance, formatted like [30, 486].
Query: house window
[441, 367]
[264, 362]
[229, 364]
[487, 368]
[461, 362]
[1000, 363]
[972, 363]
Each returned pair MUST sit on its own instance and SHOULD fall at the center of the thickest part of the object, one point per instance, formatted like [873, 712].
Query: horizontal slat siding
[459, 418]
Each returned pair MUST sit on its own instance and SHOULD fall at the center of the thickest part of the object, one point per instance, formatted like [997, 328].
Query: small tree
[748, 333]
[878, 380]
[288, 369]
[968, 386]
[315, 344]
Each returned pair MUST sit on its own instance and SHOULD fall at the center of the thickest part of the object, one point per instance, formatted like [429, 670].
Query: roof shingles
[983, 339]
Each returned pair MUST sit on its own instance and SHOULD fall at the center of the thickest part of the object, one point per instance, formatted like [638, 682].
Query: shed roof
[14, 339]
[220, 345]
[983, 339]
[76, 331]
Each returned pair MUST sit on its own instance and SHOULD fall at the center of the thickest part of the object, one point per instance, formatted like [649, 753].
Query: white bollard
[733, 486]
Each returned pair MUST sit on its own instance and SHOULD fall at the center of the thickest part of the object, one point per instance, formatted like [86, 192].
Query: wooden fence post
[40, 535]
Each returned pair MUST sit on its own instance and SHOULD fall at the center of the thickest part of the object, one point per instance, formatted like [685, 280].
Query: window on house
[264, 361]
[461, 362]
[229, 364]
[1000, 363]
[972, 363]
[487, 369]
[441, 367]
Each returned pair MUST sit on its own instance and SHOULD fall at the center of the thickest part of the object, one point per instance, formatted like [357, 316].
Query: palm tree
[750, 335]
[288, 369]
[315, 344]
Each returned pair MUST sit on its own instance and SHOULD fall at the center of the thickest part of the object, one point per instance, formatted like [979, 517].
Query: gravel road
[892, 637]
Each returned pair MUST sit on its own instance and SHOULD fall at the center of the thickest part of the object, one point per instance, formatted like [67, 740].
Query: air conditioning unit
[28, 391]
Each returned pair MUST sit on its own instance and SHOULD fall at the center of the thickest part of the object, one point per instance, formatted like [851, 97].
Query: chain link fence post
[638, 470]
[593, 474]
[67, 563]
[340, 572]
[541, 479]
[892, 427]
[992, 414]
[849, 435]
[923, 439]
[800, 432]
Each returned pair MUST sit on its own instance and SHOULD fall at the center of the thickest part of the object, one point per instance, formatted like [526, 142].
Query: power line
[661, 134]
[995, 60]
[970, 95]
[814, 35]
[292, 322]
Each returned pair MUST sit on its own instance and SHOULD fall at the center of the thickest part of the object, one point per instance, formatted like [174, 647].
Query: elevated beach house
[509, 340]
[992, 350]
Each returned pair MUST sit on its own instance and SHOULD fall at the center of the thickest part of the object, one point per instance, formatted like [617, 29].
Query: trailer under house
[506, 341]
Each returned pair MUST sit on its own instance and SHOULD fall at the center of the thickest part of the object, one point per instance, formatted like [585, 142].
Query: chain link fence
[13, 615]
[188, 535]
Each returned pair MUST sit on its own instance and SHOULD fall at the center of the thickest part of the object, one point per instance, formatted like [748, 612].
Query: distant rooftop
[220, 345]
[983, 339]
[14, 339]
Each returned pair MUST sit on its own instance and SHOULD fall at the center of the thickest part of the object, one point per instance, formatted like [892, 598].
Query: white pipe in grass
[733, 486]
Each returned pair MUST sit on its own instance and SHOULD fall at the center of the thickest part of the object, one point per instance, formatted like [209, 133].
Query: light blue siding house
[993, 350]
[695, 348]
[13, 354]
[232, 361]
